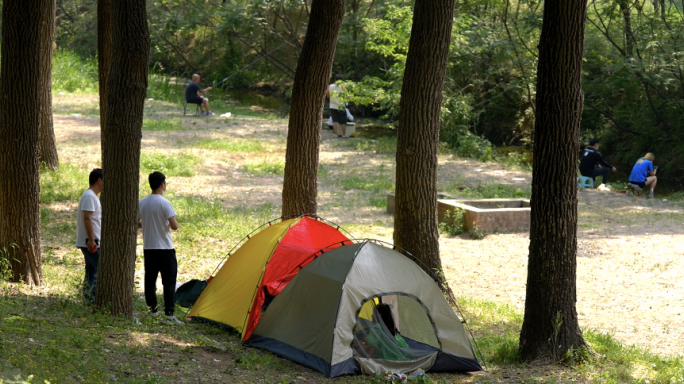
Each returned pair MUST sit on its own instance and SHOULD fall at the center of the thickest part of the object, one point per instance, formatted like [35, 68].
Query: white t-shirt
[88, 202]
[335, 91]
[155, 212]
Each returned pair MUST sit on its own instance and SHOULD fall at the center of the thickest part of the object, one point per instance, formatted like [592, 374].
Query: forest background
[632, 76]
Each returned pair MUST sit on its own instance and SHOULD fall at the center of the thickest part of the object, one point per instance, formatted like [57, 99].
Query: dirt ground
[630, 250]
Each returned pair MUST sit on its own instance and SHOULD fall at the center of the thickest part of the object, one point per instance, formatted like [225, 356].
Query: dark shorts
[197, 100]
[641, 185]
[339, 116]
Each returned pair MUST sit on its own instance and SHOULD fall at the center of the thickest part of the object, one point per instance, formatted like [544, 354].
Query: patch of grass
[170, 165]
[387, 144]
[263, 168]
[204, 218]
[229, 145]
[67, 183]
[487, 190]
[376, 185]
[258, 360]
[378, 201]
[165, 125]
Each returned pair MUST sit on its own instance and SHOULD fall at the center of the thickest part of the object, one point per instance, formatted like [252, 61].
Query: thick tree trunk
[48, 147]
[550, 327]
[127, 85]
[104, 54]
[415, 213]
[20, 87]
[304, 129]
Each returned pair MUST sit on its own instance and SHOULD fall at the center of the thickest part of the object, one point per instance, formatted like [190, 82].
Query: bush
[73, 74]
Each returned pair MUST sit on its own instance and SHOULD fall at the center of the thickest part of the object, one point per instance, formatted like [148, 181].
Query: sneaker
[210, 114]
[173, 320]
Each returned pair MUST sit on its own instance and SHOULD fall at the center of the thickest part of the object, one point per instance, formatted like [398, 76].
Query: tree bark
[550, 327]
[127, 85]
[104, 54]
[48, 147]
[415, 213]
[300, 184]
[20, 70]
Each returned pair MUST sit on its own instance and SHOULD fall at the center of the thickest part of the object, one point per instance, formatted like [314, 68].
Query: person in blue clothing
[644, 175]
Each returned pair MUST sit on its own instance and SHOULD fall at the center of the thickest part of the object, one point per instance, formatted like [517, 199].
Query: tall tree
[308, 92]
[48, 147]
[104, 54]
[550, 327]
[415, 212]
[127, 85]
[20, 69]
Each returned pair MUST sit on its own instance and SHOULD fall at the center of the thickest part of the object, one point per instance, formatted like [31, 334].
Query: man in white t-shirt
[337, 109]
[88, 231]
[157, 218]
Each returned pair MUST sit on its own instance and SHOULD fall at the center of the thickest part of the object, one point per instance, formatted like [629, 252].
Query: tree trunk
[415, 213]
[630, 41]
[127, 85]
[304, 129]
[104, 54]
[550, 327]
[20, 86]
[48, 147]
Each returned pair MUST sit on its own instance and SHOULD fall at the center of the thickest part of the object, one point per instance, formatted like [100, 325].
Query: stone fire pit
[487, 215]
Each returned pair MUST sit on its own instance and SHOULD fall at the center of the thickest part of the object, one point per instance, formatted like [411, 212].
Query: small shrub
[453, 223]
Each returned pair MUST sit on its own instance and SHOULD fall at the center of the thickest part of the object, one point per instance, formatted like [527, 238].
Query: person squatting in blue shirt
[644, 175]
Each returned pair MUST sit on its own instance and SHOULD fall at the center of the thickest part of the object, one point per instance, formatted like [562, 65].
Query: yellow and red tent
[261, 268]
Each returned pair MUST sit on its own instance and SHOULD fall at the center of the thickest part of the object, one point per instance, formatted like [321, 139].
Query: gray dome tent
[365, 308]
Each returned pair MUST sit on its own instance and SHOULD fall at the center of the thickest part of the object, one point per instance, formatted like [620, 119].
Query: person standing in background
[88, 231]
[337, 108]
[157, 218]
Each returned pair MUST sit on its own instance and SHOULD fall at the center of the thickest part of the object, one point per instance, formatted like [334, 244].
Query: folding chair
[185, 108]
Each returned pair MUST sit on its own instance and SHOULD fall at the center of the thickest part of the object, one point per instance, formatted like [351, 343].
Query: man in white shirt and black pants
[157, 218]
[88, 231]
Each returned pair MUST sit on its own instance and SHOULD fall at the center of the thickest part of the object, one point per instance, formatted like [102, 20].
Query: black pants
[604, 171]
[160, 261]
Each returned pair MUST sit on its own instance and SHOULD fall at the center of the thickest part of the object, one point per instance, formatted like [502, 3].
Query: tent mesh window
[394, 327]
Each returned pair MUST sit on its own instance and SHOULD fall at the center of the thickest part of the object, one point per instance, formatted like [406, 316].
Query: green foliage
[7, 254]
[453, 223]
[67, 183]
[265, 168]
[73, 74]
[182, 164]
[161, 86]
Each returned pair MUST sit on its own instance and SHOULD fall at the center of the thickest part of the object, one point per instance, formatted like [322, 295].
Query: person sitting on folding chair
[195, 95]
[591, 161]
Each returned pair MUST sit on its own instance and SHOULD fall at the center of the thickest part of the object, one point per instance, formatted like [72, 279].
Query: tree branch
[620, 127]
